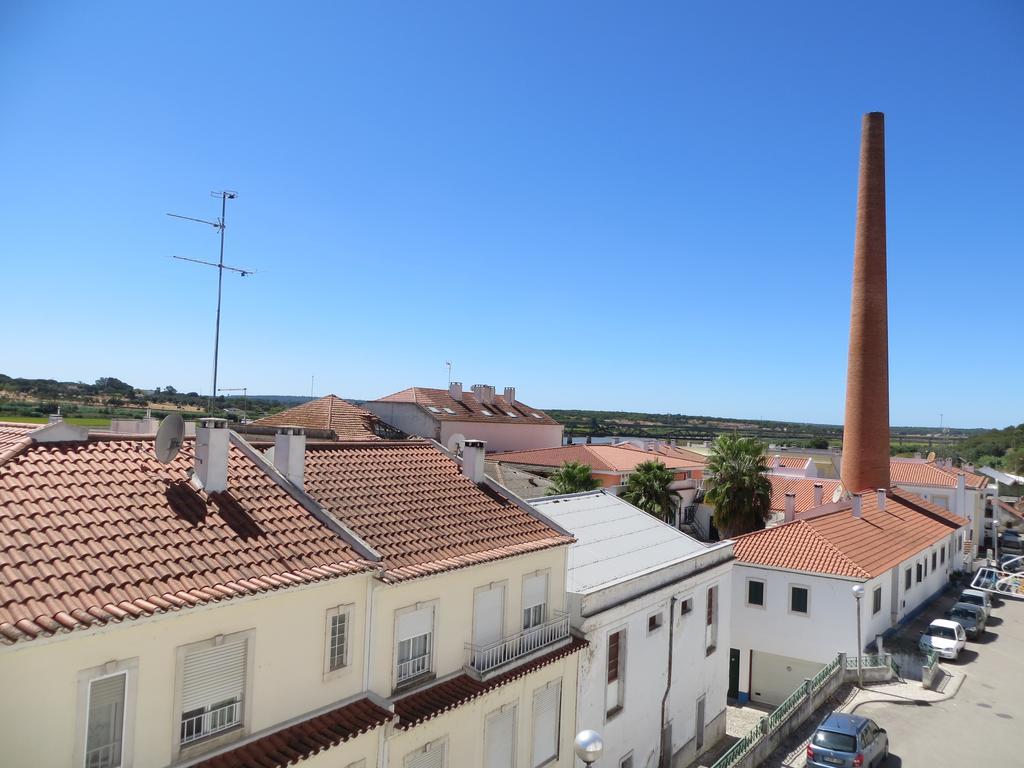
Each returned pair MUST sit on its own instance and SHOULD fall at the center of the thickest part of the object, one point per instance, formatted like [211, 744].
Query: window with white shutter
[500, 739]
[414, 635]
[546, 714]
[104, 736]
[431, 756]
[535, 600]
[213, 689]
[339, 622]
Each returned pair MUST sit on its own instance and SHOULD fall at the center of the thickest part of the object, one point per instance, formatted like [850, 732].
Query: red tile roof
[917, 472]
[101, 531]
[793, 462]
[601, 458]
[839, 543]
[329, 413]
[14, 438]
[1016, 511]
[469, 408]
[302, 740]
[438, 699]
[669, 451]
[412, 504]
[803, 487]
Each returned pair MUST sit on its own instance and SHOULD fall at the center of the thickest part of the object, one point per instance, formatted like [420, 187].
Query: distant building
[452, 416]
[654, 605]
[328, 416]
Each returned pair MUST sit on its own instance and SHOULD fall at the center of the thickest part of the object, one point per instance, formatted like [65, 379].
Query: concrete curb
[883, 697]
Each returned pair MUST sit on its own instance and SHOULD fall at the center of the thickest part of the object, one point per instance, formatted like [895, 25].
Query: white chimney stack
[484, 393]
[881, 499]
[856, 505]
[455, 390]
[211, 467]
[819, 494]
[290, 453]
[473, 460]
[790, 513]
[510, 395]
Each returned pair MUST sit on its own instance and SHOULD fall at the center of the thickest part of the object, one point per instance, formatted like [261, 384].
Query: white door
[500, 739]
[773, 677]
[489, 615]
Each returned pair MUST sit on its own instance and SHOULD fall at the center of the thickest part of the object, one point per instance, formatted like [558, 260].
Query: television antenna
[169, 438]
[219, 225]
[449, 364]
[244, 391]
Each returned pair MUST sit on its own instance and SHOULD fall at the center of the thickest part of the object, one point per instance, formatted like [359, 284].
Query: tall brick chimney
[866, 429]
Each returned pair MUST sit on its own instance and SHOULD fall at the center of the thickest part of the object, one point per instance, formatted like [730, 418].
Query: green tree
[648, 489]
[737, 484]
[1014, 460]
[572, 477]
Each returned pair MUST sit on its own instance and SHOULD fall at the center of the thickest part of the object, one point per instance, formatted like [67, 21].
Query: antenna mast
[219, 225]
[244, 391]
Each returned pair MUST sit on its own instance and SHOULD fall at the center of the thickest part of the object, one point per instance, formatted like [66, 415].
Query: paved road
[983, 722]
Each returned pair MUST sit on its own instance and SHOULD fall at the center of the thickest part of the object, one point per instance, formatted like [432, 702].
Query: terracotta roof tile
[100, 530]
[791, 462]
[438, 699]
[329, 413]
[917, 472]
[412, 504]
[603, 458]
[302, 740]
[14, 437]
[469, 408]
[839, 543]
[803, 487]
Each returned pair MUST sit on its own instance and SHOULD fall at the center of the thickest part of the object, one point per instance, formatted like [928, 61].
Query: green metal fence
[778, 716]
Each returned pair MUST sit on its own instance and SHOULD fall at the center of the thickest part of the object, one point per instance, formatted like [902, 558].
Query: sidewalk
[909, 691]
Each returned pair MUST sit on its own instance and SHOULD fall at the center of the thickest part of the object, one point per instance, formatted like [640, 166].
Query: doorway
[734, 673]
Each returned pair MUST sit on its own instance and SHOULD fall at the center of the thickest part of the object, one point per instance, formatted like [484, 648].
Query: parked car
[1009, 541]
[970, 617]
[979, 598]
[848, 741]
[945, 637]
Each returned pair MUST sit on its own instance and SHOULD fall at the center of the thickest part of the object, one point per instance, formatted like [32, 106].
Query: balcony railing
[484, 658]
[107, 756]
[414, 667]
[208, 723]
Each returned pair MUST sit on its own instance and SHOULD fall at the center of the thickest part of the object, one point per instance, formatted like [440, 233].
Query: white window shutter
[535, 590]
[213, 675]
[106, 720]
[415, 623]
[546, 714]
[432, 757]
[489, 615]
[499, 747]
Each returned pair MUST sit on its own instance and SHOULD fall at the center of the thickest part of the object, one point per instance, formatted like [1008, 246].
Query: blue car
[848, 741]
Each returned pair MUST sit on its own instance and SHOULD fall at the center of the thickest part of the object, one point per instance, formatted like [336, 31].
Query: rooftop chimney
[881, 499]
[866, 428]
[211, 467]
[819, 494]
[484, 393]
[290, 453]
[455, 390]
[790, 513]
[510, 395]
[473, 460]
[856, 505]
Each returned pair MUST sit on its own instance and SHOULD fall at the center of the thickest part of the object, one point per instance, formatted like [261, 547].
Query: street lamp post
[858, 593]
[588, 746]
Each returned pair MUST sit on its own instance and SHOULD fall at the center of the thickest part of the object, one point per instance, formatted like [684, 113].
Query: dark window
[906, 580]
[755, 592]
[942, 556]
[653, 622]
[935, 556]
[839, 742]
[686, 606]
[798, 599]
[918, 573]
[613, 656]
[711, 606]
[876, 605]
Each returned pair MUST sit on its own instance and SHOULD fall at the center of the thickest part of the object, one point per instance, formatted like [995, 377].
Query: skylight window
[536, 416]
[512, 415]
[449, 410]
[432, 409]
[485, 412]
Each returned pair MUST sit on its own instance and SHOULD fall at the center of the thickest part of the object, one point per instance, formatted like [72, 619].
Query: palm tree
[737, 486]
[648, 488]
[572, 477]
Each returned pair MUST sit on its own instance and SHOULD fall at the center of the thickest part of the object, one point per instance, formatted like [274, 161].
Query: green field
[81, 422]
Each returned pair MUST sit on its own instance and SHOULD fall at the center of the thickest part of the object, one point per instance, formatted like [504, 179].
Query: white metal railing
[415, 666]
[215, 720]
[484, 658]
[107, 756]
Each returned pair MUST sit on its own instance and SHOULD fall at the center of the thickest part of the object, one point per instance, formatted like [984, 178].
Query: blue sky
[608, 205]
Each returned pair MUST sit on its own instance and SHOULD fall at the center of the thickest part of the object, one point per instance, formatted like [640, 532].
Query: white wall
[407, 417]
[637, 726]
[522, 436]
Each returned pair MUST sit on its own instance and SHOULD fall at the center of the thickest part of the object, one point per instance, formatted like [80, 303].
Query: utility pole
[449, 364]
[219, 225]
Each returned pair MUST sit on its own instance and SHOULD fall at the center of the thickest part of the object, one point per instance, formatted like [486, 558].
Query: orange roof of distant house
[840, 544]
[411, 503]
[99, 531]
[917, 472]
[600, 458]
[803, 487]
[442, 406]
[329, 413]
[793, 462]
[663, 449]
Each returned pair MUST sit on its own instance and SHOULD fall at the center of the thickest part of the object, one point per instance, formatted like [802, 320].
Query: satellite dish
[169, 437]
[456, 443]
[931, 456]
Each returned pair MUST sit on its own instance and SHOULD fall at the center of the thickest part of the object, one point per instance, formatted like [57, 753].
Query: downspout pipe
[665, 752]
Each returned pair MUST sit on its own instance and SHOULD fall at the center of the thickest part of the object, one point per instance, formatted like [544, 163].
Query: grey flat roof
[614, 540]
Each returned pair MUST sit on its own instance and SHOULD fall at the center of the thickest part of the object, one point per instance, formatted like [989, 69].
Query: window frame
[533, 723]
[345, 610]
[659, 618]
[807, 600]
[621, 645]
[85, 678]
[425, 747]
[764, 585]
[210, 743]
[712, 613]
[431, 672]
[546, 605]
[935, 560]
[908, 579]
[876, 600]
[917, 573]
[514, 707]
